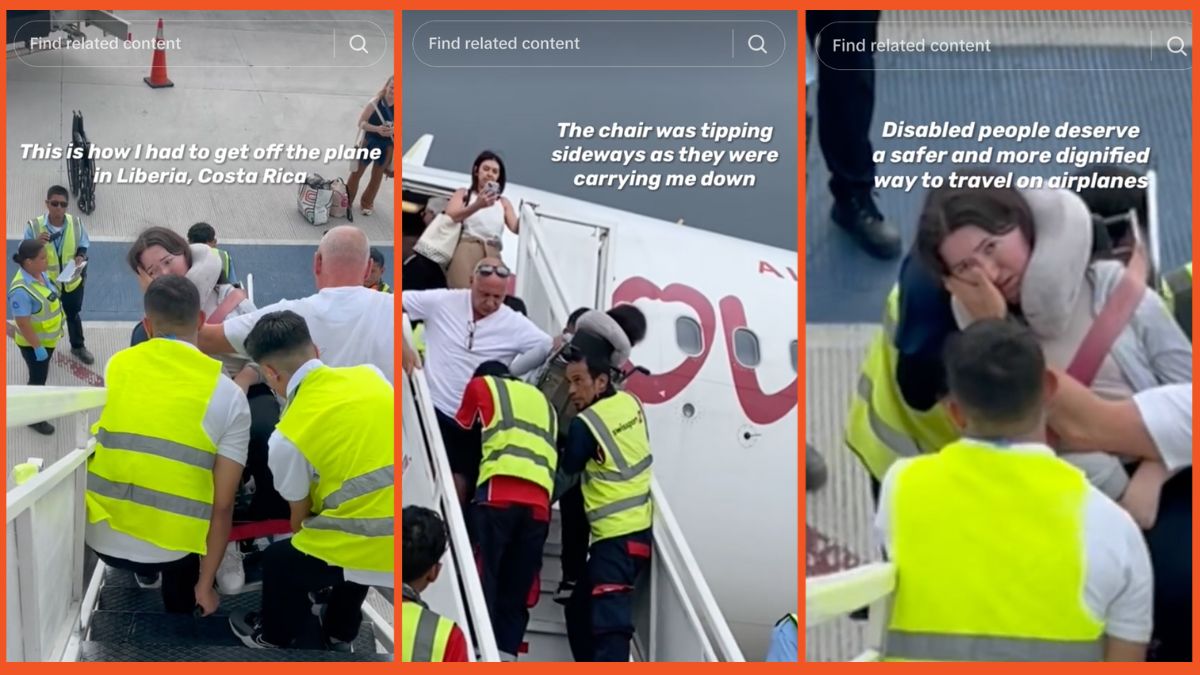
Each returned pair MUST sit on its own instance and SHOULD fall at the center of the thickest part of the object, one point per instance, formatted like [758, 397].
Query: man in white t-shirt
[464, 328]
[352, 325]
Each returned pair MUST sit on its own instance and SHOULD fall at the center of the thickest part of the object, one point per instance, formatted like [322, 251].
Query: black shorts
[463, 446]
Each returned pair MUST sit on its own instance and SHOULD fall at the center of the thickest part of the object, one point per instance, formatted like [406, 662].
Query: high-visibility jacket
[425, 634]
[226, 265]
[881, 427]
[70, 244]
[419, 339]
[991, 559]
[47, 318]
[382, 287]
[519, 441]
[1177, 292]
[616, 492]
[342, 421]
[152, 474]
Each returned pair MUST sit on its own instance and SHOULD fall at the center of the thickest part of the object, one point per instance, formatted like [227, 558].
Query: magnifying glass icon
[358, 43]
[757, 43]
[1175, 45]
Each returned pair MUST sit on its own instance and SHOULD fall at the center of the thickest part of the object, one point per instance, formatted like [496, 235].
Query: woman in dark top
[376, 124]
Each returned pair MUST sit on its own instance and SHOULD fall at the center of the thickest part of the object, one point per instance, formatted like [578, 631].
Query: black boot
[43, 428]
[861, 219]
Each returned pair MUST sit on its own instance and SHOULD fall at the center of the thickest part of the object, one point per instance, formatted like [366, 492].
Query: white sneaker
[262, 543]
[231, 575]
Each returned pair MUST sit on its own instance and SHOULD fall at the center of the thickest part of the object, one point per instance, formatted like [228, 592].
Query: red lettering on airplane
[764, 267]
[662, 387]
[759, 406]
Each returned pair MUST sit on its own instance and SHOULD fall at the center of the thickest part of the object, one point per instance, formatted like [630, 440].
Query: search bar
[667, 43]
[1030, 44]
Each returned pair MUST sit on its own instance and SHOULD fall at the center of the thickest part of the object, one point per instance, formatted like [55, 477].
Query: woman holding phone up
[484, 214]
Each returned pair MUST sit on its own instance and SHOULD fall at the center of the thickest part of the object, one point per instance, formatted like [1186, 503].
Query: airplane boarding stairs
[63, 605]
[676, 617]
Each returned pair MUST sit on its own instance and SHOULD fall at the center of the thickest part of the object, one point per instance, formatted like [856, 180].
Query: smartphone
[492, 187]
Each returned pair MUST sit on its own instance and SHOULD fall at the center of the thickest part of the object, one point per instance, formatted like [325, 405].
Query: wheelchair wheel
[87, 185]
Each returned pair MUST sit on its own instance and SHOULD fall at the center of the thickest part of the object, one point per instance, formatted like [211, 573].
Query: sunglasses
[61, 205]
[488, 270]
[471, 336]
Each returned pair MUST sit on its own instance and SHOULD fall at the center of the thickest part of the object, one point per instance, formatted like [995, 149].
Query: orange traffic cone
[158, 67]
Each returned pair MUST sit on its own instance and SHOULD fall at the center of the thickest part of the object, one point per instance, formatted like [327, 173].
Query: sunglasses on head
[488, 270]
[61, 205]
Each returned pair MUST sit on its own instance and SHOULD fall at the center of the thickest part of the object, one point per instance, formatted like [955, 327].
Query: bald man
[351, 325]
[464, 328]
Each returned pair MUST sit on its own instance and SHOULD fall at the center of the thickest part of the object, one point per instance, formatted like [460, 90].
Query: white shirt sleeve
[292, 472]
[532, 344]
[228, 421]
[1120, 580]
[238, 327]
[1167, 414]
[418, 305]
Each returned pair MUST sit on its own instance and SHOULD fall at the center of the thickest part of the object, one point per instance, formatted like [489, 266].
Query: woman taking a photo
[484, 213]
[37, 310]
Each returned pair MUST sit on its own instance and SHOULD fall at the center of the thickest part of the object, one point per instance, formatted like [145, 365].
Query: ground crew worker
[331, 457]
[784, 640]
[170, 447]
[426, 635]
[1004, 551]
[608, 443]
[1177, 292]
[511, 511]
[375, 273]
[203, 233]
[37, 310]
[68, 240]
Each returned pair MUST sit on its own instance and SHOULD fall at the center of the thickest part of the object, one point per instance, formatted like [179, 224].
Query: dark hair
[28, 249]
[631, 320]
[995, 370]
[575, 316]
[158, 236]
[376, 256]
[172, 303]
[278, 334]
[516, 304]
[201, 233]
[424, 536]
[596, 360]
[483, 157]
[946, 209]
[492, 369]
[58, 190]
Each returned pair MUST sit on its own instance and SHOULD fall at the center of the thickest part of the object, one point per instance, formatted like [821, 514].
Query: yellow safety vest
[519, 440]
[226, 265]
[990, 555]
[69, 245]
[616, 492]
[152, 474]
[383, 287]
[881, 427]
[426, 634]
[47, 319]
[419, 340]
[1177, 292]
[342, 421]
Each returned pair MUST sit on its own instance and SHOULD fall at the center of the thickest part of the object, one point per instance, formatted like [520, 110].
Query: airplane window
[745, 348]
[687, 334]
[795, 363]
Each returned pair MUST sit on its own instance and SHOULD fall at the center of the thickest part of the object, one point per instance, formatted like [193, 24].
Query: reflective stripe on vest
[991, 557]
[616, 493]
[342, 421]
[225, 265]
[520, 438]
[151, 476]
[47, 319]
[425, 634]
[936, 647]
[881, 427]
[1177, 292]
[69, 247]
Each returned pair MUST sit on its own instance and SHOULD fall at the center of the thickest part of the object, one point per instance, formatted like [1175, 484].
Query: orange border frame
[631, 5]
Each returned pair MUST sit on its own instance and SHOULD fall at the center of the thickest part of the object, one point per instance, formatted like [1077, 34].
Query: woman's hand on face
[144, 279]
[978, 295]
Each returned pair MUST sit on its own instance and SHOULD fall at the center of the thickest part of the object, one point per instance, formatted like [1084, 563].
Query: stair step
[546, 627]
[126, 599]
[185, 630]
[131, 651]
